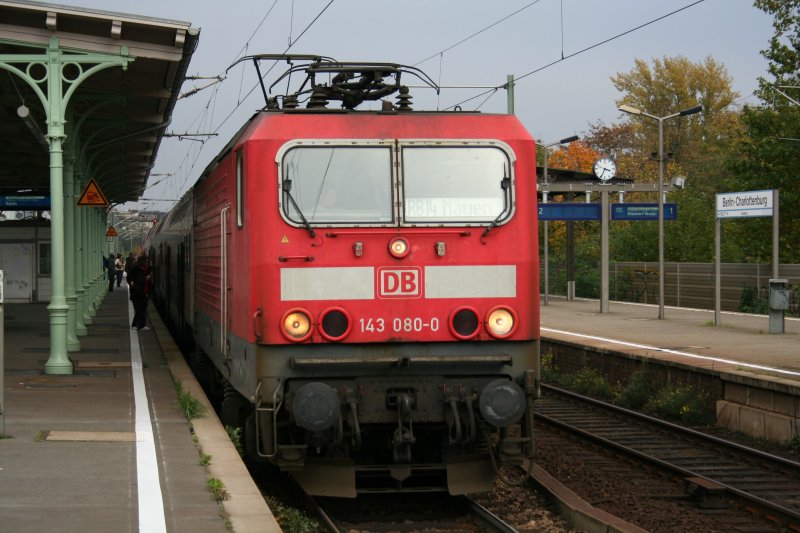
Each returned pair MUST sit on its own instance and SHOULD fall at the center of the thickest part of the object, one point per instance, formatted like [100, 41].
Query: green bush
[638, 390]
[682, 404]
[588, 381]
[750, 301]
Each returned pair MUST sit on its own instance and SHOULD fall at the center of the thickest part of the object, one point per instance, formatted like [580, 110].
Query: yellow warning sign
[285, 240]
[92, 195]
[111, 232]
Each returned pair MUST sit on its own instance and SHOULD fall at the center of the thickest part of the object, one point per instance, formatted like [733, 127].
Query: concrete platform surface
[84, 453]
[741, 343]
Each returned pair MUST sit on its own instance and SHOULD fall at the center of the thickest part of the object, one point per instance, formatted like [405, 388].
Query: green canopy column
[45, 73]
[86, 241]
[73, 344]
[80, 311]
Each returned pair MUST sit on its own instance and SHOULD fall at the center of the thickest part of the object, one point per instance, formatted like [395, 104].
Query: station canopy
[115, 116]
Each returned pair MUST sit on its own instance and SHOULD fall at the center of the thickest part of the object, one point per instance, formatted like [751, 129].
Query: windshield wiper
[505, 183]
[287, 188]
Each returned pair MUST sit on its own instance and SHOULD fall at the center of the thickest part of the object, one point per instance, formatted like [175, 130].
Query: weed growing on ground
[218, 490]
[794, 444]
[39, 437]
[205, 459]
[190, 405]
[235, 434]
[290, 518]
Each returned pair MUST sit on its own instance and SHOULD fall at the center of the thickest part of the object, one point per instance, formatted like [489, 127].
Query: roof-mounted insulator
[272, 102]
[404, 99]
[290, 101]
[318, 99]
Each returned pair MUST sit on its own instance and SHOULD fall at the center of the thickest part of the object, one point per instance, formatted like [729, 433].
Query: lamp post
[660, 120]
[566, 140]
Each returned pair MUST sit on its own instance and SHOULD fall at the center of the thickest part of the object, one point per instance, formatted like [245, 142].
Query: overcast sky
[555, 102]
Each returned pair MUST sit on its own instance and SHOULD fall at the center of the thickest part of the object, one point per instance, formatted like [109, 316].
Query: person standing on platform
[110, 271]
[139, 282]
[119, 268]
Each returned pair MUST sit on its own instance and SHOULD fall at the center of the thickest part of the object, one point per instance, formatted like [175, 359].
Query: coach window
[239, 190]
[337, 185]
[456, 184]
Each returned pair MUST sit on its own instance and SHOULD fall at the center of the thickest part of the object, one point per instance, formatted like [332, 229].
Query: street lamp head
[691, 111]
[630, 109]
[568, 140]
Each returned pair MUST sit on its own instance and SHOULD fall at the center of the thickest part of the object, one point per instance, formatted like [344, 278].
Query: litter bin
[778, 303]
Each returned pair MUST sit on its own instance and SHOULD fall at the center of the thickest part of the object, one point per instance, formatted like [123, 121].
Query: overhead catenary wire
[579, 52]
[465, 39]
[204, 113]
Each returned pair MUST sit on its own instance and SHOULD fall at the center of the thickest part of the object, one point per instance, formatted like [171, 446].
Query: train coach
[361, 286]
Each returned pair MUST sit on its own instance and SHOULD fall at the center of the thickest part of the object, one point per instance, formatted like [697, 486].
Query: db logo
[399, 282]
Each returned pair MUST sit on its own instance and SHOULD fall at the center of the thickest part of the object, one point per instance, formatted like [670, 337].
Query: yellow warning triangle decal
[92, 195]
[111, 232]
[285, 240]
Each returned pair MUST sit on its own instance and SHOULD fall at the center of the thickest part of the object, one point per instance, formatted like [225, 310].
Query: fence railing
[743, 286]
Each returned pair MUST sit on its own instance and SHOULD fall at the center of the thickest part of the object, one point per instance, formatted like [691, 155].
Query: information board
[22, 202]
[569, 211]
[642, 211]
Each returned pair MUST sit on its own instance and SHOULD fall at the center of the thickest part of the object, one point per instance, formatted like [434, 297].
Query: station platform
[741, 342]
[108, 448]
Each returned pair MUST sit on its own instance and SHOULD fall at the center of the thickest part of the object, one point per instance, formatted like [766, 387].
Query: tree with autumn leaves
[723, 149]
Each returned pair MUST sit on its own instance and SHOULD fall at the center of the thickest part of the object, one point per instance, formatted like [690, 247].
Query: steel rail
[672, 466]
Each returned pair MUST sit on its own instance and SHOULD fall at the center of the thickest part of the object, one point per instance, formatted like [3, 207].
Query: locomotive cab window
[337, 185]
[455, 184]
[438, 183]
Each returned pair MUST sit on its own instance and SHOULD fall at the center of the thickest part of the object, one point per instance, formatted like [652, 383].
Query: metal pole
[546, 240]
[661, 218]
[717, 272]
[510, 93]
[2, 358]
[776, 261]
[604, 251]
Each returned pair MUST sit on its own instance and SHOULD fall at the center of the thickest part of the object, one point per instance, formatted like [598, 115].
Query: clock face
[605, 169]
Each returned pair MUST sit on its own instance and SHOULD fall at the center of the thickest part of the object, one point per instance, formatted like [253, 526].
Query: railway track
[408, 513]
[712, 467]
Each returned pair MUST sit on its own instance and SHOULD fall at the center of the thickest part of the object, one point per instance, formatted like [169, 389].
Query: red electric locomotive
[365, 284]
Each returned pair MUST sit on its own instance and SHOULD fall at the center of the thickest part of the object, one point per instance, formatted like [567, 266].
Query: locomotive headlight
[296, 325]
[501, 322]
[502, 402]
[399, 247]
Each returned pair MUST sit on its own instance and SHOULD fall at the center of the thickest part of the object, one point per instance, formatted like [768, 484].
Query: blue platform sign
[569, 211]
[642, 211]
[23, 202]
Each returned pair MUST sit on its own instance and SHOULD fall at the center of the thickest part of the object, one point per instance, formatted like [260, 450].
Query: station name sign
[745, 204]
